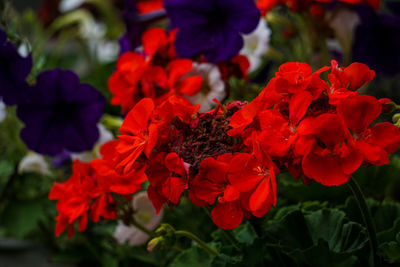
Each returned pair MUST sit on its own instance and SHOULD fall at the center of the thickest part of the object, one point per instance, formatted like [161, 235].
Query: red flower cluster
[298, 5]
[228, 158]
[90, 188]
[317, 130]
[157, 72]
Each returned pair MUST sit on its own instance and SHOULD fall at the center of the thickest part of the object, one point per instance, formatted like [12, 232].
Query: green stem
[142, 228]
[198, 241]
[367, 218]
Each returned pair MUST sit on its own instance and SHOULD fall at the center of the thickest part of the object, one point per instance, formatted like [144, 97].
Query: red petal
[227, 215]
[152, 39]
[358, 74]
[375, 155]
[324, 169]
[83, 223]
[152, 141]
[231, 193]
[191, 85]
[173, 188]
[387, 136]
[178, 68]
[137, 119]
[328, 128]
[298, 106]
[260, 195]
[359, 112]
[157, 200]
[175, 164]
[242, 173]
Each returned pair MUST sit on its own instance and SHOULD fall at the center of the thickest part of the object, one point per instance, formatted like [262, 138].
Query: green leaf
[384, 213]
[389, 243]
[317, 238]
[389, 234]
[6, 170]
[108, 261]
[245, 233]
[193, 257]
[20, 218]
[390, 251]
[223, 260]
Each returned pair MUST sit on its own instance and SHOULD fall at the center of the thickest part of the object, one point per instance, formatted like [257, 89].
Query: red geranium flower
[243, 118]
[137, 134]
[135, 79]
[345, 81]
[376, 142]
[211, 184]
[168, 177]
[330, 156]
[158, 46]
[114, 178]
[254, 175]
[78, 196]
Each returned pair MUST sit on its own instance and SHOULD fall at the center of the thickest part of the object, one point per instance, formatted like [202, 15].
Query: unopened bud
[155, 243]
[165, 238]
[396, 118]
[388, 105]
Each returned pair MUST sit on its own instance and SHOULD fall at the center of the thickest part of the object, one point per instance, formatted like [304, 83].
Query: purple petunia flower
[13, 72]
[211, 27]
[60, 113]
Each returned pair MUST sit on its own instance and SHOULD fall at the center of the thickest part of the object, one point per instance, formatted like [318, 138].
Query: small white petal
[68, 5]
[3, 111]
[344, 23]
[145, 214]
[256, 44]
[105, 135]
[215, 86]
[35, 163]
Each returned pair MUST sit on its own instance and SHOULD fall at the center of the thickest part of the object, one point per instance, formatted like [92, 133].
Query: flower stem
[367, 218]
[198, 241]
[141, 228]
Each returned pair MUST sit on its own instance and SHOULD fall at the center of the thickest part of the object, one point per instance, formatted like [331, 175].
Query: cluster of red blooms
[229, 157]
[315, 6]
[158, 73]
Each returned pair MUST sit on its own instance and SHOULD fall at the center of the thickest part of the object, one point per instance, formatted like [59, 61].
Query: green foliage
[194, 257]
[21, 218]
[316, 237]
[245, 233]
[389, 243]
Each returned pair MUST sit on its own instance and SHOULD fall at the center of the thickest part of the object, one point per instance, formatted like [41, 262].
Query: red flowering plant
[229, 159]
[224, 134]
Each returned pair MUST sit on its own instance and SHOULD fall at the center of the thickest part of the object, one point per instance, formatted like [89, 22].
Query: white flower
[68, 5]
[256, 44]
[344, 24]
[104, 137]
[107, 51]
[145, 214]
[213, 86]
[94, 33]
[35, 163]
[3, 111]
